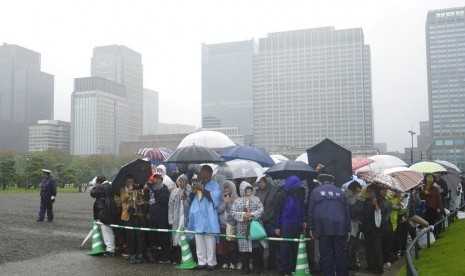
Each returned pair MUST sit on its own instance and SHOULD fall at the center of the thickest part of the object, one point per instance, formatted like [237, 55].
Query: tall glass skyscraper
[445, 51]
[99, 120]
[151, 111]
[227, 85]
[313, 84]
[123, 65]
[26, 95]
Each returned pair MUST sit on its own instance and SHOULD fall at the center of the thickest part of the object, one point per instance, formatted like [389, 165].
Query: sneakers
[387, 265]
[225, 267]
[163, 261]
[232, 266]
[134, 260]
[210, 268]
[109, 254]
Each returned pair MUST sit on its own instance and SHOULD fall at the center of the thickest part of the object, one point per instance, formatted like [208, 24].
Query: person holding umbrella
[203, 217]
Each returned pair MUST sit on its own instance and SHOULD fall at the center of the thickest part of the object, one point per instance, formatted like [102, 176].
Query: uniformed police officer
[329, 221]
[48, 192]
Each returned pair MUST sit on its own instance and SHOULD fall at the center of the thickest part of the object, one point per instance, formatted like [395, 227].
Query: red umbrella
[407, 178]
[359, 162]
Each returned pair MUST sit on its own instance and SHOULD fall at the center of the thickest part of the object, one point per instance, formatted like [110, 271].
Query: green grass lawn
[446, 256]
[35, 191]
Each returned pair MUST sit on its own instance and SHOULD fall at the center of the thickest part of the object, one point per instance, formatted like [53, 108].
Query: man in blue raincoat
[203, 217]
[329, 221]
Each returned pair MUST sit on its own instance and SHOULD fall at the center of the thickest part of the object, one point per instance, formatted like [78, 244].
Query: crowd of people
[336, 220]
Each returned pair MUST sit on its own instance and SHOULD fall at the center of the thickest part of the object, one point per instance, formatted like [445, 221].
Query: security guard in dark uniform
[329, 221]
[48, 192]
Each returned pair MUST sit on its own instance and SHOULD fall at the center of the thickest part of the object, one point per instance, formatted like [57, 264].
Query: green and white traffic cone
[186, 255]
[301, 267]
[97, 243]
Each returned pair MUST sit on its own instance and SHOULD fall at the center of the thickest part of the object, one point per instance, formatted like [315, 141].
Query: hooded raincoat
[253, 205]
[224, 211]
[166, 179]
[203, 215]
[178, 210]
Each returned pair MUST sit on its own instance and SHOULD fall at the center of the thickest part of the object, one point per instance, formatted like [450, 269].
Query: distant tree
[7, 173]
[59, 168]
[35, 170]
[69, 176]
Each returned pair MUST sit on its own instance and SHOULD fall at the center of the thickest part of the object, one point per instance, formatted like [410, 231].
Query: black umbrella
[194, 155]
[284, 169]
[140, 169]
[336, 159]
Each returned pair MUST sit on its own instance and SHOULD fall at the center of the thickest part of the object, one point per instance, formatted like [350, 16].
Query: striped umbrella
[155, 155]
[406, 177]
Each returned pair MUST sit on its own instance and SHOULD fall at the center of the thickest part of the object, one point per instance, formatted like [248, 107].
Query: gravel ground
[28, 247]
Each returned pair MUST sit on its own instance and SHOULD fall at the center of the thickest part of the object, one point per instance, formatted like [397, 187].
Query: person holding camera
[131, 200]
[158, 195]
[104, 208]
[203, 217]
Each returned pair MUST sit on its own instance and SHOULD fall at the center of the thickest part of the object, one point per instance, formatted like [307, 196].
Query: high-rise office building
[26, 95]
[227, 85]
[151, 112]
[123, 65]
[49, 134]
[313, 84]
[445, 51]
[99, 120]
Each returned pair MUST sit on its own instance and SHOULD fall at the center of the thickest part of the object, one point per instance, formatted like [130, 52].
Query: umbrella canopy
[406, 177]
[453, 180]
[140, 169]
[388, 181]
[278, 158]
[428, 167]
[208, 139]
[155, 155]
[337, 160]
[448, 165]
[247, 153]
[359, 162]
[383, 162]
[284, 169]
[354, 178]
[303, 158]
[239, 168]
[194, 155]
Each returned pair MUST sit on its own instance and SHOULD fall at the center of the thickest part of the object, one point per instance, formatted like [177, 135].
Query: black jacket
[100, 194]
[158, 211]
[48, 190]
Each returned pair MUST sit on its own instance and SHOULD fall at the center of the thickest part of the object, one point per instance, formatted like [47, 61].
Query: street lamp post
[27, 172]
[411, 149]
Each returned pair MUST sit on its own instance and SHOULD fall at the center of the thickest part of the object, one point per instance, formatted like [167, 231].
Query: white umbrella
[208, 139]
[303, 157]
[448, 164]
[383, 162]
[278, 158]
[239, 168]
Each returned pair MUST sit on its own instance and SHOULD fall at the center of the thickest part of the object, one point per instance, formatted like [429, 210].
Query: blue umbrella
[247, 153]
[284, 169]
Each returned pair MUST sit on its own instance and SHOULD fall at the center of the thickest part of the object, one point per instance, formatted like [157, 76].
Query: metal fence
[411, 270]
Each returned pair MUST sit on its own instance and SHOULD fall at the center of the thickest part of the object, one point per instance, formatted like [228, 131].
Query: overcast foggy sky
[168, 34]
